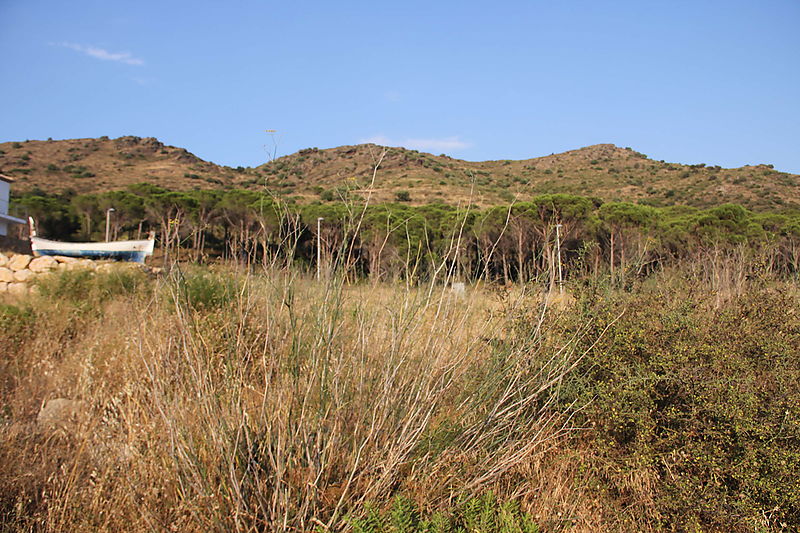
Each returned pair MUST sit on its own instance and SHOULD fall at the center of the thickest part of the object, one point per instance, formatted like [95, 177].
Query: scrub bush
[700, 405]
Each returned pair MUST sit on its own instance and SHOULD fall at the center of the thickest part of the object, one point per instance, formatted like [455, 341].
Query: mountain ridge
[605, 170]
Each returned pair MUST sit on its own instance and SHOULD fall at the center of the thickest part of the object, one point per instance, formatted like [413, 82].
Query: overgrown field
[219, 400]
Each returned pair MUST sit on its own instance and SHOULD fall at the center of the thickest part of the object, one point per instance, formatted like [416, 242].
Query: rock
[3, 260]
[3, 286]
[81, 264]
[17, 288]
[43, 264]
[19, 262]
[23, 275]
[65, 259]
[60, 412]
[6, 275]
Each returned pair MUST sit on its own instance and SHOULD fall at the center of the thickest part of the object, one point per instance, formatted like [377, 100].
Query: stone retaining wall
[18, 271]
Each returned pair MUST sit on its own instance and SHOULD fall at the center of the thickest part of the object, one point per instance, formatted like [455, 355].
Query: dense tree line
[516, 242]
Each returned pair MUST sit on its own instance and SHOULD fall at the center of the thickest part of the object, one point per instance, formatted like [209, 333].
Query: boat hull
[134, 251]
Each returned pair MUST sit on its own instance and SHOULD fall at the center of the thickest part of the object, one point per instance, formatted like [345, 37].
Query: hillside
[92, 165]
[603, 170]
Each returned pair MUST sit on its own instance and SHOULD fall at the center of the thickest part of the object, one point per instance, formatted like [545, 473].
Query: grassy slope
[603, 170]
[93, 165]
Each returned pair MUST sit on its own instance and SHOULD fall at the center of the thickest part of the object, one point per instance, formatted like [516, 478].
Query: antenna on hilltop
[272, 134]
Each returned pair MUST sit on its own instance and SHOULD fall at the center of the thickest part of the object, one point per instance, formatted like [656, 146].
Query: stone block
[81, 264]
[6, 275]
[19, 262]
[43, 264]
[23, 275]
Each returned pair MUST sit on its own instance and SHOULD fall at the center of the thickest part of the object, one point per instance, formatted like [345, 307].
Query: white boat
[134, 251]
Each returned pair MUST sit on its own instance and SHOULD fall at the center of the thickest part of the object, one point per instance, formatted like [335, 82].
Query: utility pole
[558, 251]
[108, 220]
[319, 247]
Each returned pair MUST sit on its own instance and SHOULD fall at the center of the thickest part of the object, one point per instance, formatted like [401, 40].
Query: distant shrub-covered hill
[94, 165]
[314, 175]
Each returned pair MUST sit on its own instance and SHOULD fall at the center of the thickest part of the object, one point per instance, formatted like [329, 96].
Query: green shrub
[482, 514]
[15, 323]
[704, 402]
[84, 286]
[203, 290]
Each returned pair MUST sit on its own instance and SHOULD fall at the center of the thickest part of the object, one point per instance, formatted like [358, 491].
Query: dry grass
[282, 406]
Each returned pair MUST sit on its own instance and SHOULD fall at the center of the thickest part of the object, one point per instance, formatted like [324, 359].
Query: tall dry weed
[284, 404]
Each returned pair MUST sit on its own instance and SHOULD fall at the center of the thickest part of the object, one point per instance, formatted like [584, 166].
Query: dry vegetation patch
[248, 402]
[213, 399]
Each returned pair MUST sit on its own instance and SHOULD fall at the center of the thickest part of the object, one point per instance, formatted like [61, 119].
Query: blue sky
[690, 82]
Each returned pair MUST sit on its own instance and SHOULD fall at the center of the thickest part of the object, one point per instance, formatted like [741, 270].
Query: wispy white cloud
[100, 53]
[444, 144]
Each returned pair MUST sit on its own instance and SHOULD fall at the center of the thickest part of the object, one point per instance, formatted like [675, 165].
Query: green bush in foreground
[475, 515]
[695, 410]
